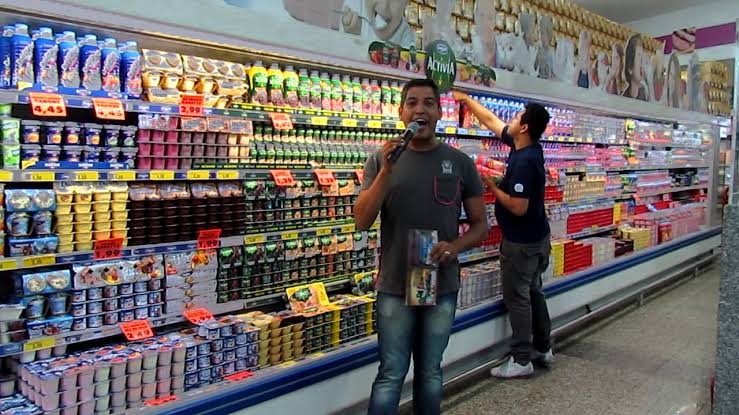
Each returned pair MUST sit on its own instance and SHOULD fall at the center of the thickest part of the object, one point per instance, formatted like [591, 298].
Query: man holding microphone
[423, 187]
[524, 252]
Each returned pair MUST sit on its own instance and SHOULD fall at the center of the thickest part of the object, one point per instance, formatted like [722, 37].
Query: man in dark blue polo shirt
[524, 253]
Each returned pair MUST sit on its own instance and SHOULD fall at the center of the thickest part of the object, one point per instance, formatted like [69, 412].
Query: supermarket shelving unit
[310, 385]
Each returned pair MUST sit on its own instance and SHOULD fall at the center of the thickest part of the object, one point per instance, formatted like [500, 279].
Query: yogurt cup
[150, 359]
[148, 390]
[102, 371]
[133, 394]
[86, 408]
[164, 386]
[86, 393]
[133, 380]
[118, 399]
[102, 403]
[69, 381]
[118, 367]
[85, 376]
[118, 384]
[69, 397]
[135, 361]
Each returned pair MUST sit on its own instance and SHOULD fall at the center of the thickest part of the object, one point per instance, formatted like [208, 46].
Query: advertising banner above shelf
[341, 34]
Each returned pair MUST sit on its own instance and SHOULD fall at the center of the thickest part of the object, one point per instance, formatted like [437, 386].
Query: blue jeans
[402, 331]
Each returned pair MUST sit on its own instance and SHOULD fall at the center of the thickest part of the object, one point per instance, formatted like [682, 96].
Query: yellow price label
[571, 139]
[289, 235]
[40, 176]
[375, 225]
[254, 239]
[87, 176]
[161, 175]
[6, 176]
[319, 120]
[122, 176]
[323, 231]
[198, 175]
[374, 124]
[288, 364]
[347, 229]
[43, 343]
[472, 132]
[318, 354]
[227, 175]
[348, 122]
[594, 227]
[589, 139]
[400, 125]
[38, 261]
[8, 264]
[450, 130]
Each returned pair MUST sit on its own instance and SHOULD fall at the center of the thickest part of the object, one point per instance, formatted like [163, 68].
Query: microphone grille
[413, 127]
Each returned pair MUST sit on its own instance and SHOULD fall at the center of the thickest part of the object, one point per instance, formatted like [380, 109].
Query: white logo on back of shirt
[518, 187]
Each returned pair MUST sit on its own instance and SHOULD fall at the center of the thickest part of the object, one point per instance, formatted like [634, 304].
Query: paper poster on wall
[545, 54]
[659, 78]
[683, 40]
[614, 81]
[636, 86]
[583, 76]
[674, 91]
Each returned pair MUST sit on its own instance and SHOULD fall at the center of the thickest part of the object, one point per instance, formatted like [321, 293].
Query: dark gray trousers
[521, 266]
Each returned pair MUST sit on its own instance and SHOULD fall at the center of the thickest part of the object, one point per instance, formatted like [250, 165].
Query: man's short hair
[536, 117]
[425, 82]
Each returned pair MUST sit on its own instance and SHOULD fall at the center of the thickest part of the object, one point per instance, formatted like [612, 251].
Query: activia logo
[441, 65]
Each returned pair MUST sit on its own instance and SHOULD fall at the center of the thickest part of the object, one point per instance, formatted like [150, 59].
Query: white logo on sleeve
[518, 187]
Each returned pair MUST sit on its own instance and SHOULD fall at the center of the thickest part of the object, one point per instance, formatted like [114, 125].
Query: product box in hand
[421, 280]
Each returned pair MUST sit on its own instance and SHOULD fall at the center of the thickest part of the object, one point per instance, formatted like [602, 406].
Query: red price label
[281, 121]
[109, 109]
[198, 315]
[47, 105]
[239, 376]
[325, 177]
[160, 401]
[209, 239]
[136, 330]
[554, 173]
[192, 105]
[108, 249]
[360, 175]
[283, 178]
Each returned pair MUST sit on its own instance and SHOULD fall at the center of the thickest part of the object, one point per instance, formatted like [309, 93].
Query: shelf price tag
[400, 125]
[360, 175]
[239, 376]
[8, 264]
[348, 122]
[286, 236]
[40, 260]
[198, 315]
[209, 239]
[161, 175]
[281, 121]
[108, 249]
[347, 229]
[47, 105]
[191, 105]
[254, 239]
[198, 175]
[323, 231]
[40, 176]
[87, 176]
[122, 176]
[160, 401]
[6, 176]
[319, 120]
[325, 177]
[43, 343]
[450, 130]
[109, 109]
[227, 175]
[136, 330]
[282, 178]
[374, 124]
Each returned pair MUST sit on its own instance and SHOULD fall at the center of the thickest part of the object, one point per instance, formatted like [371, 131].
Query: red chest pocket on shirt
[447, 189]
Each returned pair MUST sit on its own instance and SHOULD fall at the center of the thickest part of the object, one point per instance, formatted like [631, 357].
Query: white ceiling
[624, 11]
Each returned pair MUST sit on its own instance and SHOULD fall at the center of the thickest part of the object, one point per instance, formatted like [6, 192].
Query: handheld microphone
[409, 132]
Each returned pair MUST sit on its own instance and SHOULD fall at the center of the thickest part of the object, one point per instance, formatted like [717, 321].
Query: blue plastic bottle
[69, 60]
[131, 69]
[111, 66]
[6, 69]
[21, 60]
[45, 53]
[90, 60]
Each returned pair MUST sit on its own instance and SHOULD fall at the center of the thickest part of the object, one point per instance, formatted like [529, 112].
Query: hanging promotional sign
[441, 65]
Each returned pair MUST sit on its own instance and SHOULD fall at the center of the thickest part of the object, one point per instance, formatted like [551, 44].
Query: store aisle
[656, 359]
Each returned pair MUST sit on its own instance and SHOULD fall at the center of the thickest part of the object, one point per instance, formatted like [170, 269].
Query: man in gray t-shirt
[424, 189]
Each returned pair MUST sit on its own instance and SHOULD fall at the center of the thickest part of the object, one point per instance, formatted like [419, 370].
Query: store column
[727, 365]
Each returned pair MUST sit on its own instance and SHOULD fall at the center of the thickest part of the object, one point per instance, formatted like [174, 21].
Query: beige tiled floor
[656, 359]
